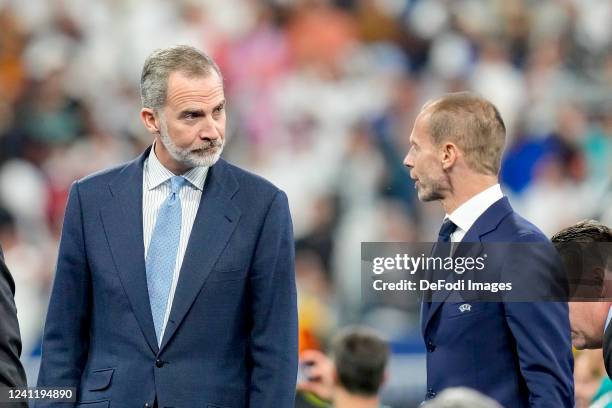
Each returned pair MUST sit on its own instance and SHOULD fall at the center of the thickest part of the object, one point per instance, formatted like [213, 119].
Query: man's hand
[318, 374]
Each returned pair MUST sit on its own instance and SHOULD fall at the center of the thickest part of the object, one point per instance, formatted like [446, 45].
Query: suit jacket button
[159, 363]
[431, 347]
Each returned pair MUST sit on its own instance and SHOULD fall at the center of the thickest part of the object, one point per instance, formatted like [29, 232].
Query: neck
[343, 399]
[465, 190]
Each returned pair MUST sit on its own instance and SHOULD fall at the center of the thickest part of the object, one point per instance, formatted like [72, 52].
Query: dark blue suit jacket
[231, 338]
[518, 353]
[11, 370]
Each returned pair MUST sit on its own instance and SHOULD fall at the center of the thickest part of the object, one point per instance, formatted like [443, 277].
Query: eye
[189, 115]
[219, 109]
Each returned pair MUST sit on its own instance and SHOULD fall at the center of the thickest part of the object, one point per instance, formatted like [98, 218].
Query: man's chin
[207, 158]
[579, 342]
[425, 196]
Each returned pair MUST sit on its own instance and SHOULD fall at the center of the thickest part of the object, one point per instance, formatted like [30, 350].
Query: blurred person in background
[593, 387]
[11, 370]
[175, 280]
[354, 375]
[461, 397]
[587, 264]
[28, 265]
[516, 353]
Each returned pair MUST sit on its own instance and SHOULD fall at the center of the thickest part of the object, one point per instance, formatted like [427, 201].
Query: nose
[408, 162]
[208, 131]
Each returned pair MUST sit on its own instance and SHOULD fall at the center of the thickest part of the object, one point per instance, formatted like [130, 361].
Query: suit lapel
[122, 220]
[215, 221]
[487, 222]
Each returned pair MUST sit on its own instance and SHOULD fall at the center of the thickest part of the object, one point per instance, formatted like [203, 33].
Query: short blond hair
[473, 124]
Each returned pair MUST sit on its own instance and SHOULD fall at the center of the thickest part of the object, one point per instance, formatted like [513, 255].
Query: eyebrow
[199, 112]
[194, 112]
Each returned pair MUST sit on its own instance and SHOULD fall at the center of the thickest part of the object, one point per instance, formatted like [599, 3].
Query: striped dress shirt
[155, 190]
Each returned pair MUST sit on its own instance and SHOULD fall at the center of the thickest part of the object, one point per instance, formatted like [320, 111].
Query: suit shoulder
[521, 229]
[101, 178]
[250, 182]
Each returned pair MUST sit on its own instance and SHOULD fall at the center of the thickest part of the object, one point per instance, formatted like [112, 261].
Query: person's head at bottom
[360, 359]
[355, 374]
[461, 397]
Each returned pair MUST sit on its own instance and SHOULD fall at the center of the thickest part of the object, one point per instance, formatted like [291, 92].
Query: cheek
[182, 135]
[580, 319]
[427, 166]
[574, 311]
[220, 126]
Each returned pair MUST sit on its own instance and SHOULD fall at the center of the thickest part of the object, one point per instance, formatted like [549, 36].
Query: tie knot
[448, 227]
[176, 183]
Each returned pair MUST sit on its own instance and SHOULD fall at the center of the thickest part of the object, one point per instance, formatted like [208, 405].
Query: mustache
[210, 144]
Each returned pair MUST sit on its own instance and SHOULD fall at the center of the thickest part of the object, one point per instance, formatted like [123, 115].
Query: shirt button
[159, 363]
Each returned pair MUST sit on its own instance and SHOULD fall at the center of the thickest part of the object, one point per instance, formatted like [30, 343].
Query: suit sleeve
[11, 370]
[274, 333]
[66, 335]
[541, 330]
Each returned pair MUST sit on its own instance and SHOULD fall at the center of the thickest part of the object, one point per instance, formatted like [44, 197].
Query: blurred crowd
[322, 96]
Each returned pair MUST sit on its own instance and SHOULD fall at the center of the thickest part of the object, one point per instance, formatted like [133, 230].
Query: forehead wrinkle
[184, 88]
[182, 97]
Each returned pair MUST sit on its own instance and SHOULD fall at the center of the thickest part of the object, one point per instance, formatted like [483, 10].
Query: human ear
[449, 155]
[150, 120]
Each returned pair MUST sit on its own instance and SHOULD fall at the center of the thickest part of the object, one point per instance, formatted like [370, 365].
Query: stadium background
[322, 97]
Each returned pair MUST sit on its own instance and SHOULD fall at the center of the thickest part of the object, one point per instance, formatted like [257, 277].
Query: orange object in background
[321, 35]
[307, 340]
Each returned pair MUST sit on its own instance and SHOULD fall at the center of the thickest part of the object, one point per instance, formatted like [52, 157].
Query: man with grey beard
[175, 280]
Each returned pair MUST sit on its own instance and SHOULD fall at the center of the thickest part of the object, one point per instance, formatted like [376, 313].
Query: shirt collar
[608, 318]
[467, 213]
[156, 174]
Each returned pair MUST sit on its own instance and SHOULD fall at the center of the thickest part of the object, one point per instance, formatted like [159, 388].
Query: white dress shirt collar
[608, 318]
[467, 213]
[157, 173]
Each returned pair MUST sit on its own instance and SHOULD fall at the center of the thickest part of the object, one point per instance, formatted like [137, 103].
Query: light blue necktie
[161, 255]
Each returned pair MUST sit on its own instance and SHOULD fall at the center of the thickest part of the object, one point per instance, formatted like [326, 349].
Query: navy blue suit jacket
[518, 353]
[11, 370]
[231, 338]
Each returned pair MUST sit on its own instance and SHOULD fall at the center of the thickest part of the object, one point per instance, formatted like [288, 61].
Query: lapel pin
[466, 307]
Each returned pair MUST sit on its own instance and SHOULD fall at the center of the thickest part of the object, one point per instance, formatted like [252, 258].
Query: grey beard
[187, 157]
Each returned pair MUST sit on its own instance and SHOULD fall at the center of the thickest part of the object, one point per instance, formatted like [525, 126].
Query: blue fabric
[446, 230]
[441, 249]
[161, 256]
[518, 353]
[231, 336]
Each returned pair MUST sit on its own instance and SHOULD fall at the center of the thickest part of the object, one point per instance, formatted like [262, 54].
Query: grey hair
[461, 397]
[162, 62]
